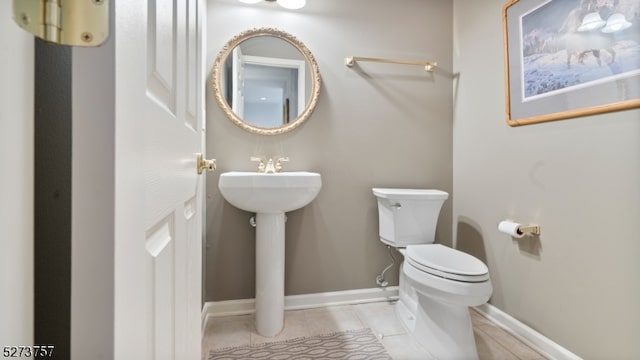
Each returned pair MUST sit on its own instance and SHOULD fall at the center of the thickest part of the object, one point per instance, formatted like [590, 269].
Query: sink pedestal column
[269, 273]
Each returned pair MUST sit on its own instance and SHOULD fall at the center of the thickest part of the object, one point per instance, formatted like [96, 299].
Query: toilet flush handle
[396, 205]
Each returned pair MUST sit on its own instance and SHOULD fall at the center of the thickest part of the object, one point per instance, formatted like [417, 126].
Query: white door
[158, 193]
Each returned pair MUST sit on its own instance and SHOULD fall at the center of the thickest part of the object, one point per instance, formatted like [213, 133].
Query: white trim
[524, 333]
[346, 297]
[296, 302]
[17, 179]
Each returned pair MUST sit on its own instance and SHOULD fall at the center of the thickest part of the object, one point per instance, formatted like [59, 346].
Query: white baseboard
[527, 335]
[307, 301]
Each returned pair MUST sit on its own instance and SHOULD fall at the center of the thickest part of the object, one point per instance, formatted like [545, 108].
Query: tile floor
[493, 343]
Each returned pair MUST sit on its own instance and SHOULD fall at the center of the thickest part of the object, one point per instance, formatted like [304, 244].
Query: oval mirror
[266, 81]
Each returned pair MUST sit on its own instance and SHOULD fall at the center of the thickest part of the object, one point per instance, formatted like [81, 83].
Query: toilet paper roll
[511, 228]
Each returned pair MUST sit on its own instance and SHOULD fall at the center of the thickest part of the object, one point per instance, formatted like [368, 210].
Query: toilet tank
[408, 216]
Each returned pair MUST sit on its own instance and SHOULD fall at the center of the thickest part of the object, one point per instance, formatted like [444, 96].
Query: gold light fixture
[287, 4]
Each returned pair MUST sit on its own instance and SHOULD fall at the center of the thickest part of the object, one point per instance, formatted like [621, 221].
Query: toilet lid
[446, 262]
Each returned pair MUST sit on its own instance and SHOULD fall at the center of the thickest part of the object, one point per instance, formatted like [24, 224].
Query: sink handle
[261, 164]
[279, 163]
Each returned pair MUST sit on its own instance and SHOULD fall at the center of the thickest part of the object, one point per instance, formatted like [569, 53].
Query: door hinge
[65, 22]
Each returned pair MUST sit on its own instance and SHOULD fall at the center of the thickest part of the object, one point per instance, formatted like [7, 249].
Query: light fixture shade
[292, 4]
[591, 21]
[250, 1]
[616, 22]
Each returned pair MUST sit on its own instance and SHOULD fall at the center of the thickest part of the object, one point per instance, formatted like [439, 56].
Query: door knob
[203, 164]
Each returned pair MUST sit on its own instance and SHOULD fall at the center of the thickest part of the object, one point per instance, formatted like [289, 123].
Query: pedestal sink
[269, 196]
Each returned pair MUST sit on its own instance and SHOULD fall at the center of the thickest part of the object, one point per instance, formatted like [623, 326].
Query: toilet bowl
[438, 284]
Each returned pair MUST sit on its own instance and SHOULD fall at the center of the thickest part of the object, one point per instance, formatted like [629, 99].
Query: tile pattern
[492, 342]
[354, 344]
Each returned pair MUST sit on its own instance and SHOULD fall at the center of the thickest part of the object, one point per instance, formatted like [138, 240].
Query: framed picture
[570, 58]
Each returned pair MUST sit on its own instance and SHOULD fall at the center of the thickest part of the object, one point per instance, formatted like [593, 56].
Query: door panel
[161, 43]
[161, 269]
[192, 65]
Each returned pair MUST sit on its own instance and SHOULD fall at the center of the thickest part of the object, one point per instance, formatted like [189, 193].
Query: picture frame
[570, 58]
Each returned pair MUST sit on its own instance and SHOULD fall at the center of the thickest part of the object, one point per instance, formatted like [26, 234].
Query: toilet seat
[447, 263]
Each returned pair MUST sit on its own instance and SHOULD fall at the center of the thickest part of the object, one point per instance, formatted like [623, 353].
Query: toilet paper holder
[518, 230]
[531, 229]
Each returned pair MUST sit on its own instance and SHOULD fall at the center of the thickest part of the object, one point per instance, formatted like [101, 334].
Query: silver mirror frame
[226, 108]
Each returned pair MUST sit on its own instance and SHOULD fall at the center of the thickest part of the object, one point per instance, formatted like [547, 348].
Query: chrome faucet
[268, 166]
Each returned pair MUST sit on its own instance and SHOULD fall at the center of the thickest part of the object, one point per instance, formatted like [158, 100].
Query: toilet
[438, 284]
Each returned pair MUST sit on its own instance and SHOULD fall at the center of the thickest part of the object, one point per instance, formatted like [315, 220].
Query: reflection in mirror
[266, 81]
[269, 80]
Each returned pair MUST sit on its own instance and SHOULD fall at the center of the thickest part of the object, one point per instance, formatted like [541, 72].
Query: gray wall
[386, 126]
[579, 179]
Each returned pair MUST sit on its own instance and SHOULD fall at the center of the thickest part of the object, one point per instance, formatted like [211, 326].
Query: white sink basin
[269, 193]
